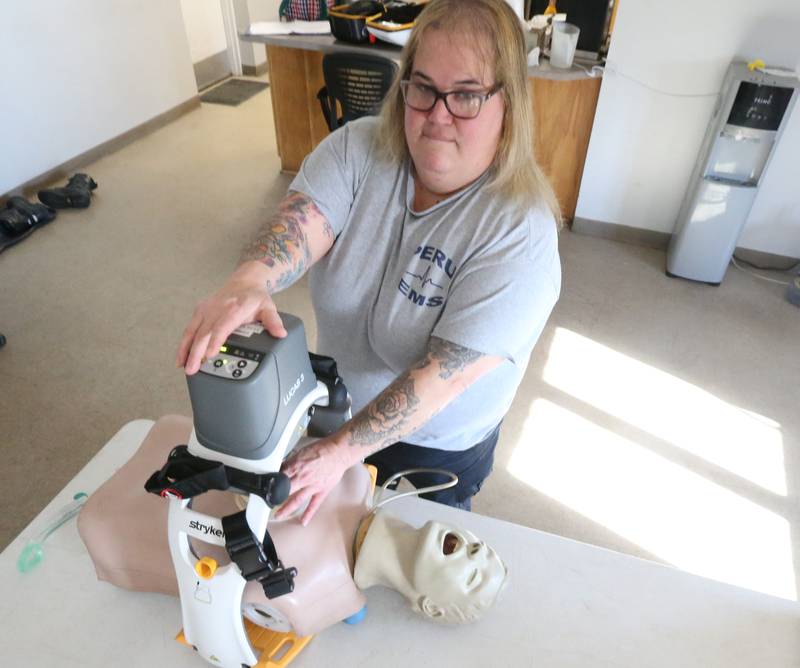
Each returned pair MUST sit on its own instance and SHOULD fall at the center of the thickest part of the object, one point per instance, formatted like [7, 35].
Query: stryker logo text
[293, 389]
[206, 529]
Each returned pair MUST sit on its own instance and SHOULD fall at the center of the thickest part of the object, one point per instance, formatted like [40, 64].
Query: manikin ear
[429, 609]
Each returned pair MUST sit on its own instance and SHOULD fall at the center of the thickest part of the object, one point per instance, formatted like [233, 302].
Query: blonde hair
[494, 28]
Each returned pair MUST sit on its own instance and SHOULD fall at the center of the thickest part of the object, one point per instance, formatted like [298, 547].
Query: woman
[433, 239]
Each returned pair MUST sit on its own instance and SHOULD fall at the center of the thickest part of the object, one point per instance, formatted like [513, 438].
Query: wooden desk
[564, 103]
[568, 605]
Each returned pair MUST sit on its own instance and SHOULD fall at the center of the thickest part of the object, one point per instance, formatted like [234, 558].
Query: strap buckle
[185, 475]
[256, 560]
[279, 582]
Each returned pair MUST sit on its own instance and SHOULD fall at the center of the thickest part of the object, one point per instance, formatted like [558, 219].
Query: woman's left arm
[415, 396]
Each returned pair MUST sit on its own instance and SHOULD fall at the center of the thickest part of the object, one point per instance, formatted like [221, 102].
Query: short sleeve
[331, 173]
[499, 302]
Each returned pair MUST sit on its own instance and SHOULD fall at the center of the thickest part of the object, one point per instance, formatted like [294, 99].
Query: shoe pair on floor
[21, 217]
[76, 194]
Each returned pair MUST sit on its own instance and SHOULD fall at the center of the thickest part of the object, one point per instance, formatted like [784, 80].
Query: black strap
[324, 369]
[256, 560]
[184, 475]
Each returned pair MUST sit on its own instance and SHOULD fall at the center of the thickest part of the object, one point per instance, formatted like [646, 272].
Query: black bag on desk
[349, 21]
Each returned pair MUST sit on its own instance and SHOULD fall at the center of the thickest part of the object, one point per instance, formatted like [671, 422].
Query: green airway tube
[33, 552]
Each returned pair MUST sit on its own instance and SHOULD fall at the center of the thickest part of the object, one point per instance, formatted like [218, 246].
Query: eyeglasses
[463, 104]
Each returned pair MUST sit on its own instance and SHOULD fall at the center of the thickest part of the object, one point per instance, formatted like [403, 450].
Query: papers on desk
[290, 28]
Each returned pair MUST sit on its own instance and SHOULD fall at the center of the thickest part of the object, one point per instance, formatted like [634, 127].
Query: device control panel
[760, 107]
[233, 362]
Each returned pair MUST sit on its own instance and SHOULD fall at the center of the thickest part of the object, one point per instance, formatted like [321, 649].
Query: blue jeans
[472, 466]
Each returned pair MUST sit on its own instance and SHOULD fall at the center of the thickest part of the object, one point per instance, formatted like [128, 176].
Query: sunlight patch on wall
[672, 513]
[688, 417]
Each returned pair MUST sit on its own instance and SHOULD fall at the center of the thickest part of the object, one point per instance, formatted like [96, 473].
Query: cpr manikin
[447, 574]
[452, 576]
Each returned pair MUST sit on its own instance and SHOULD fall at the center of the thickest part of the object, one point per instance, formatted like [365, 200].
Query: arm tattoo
[452, 358]
[283, 240]
[328, 230]
[386, 415]
[379, 422]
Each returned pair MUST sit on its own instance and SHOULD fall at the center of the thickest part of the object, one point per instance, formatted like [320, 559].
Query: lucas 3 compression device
[251, 403]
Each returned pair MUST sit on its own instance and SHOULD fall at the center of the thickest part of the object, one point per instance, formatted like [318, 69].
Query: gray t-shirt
[471, 270]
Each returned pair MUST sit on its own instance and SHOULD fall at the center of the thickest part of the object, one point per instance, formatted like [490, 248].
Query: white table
[568, 605]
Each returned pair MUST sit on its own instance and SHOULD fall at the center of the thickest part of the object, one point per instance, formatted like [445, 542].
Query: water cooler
[751, 113]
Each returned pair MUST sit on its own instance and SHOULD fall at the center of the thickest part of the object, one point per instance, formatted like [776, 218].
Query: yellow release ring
[206, 567]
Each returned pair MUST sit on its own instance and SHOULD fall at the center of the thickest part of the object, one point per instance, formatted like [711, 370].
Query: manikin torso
[125, 531]
[446, 574]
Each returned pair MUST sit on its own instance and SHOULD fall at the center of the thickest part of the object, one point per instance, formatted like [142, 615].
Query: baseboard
[255, 70]
[211, 70]
[764, 259]
[624, 233]
[660, 240]
[62, 171]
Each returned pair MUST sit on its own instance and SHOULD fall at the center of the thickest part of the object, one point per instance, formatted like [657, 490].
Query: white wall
[77, 74]
[204, 28]
[248, 12]
[644, 143]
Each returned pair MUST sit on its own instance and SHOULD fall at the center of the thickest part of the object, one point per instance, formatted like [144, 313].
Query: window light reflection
[672, 513]
[688, 417]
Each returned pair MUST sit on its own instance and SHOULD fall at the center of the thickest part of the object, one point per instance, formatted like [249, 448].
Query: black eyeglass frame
[439, 95]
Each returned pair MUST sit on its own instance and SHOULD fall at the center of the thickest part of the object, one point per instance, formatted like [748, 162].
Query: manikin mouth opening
[451, 543]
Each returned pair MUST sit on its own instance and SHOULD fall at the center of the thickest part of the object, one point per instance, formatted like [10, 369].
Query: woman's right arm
[285, 248]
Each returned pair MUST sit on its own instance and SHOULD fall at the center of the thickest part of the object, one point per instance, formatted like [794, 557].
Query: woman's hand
[313, 472]
[243, 299]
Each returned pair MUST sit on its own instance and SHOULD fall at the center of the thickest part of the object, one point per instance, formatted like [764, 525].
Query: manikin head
[447, 574]
[456, 576]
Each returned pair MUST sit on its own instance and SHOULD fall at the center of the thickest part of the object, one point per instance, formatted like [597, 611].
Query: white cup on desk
[563, 43]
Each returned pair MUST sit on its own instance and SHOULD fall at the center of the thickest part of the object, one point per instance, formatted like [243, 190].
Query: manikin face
[456, 576]
[450, 153]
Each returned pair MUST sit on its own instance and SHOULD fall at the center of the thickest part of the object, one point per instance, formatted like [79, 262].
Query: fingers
[295, 502]
[217, 317]
[188, 338]
[292, 467]
[272, 321]
[194, 342]
[196, 353]
[233, 316]
[312, 472]
[291, 505]
[313, 506]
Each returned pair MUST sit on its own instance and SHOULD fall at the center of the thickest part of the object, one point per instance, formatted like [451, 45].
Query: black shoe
[21, 216]
[77, 194]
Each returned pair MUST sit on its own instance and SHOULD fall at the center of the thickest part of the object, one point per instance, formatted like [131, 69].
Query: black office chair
[358, 82]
